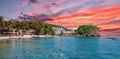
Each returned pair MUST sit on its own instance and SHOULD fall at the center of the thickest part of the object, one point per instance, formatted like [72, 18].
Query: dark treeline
[39, 27]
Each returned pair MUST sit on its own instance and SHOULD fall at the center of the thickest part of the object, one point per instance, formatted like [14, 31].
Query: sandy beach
[25, 36]
[4, 37]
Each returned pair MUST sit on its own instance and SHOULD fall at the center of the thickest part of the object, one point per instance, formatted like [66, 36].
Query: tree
[61, 33]
[2, 24]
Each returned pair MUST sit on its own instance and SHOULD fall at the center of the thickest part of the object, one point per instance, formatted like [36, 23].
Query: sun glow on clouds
[73, 13]
[68, 13]
[106, 19]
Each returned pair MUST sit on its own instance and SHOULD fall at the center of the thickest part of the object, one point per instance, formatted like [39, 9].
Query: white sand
[4, 37]
[25, 36]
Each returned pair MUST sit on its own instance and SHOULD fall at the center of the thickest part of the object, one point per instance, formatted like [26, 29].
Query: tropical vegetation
[88, 30]
[39, 27]
[45, 29]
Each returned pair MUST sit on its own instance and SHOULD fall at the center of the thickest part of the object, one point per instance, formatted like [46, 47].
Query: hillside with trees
[88, 31]
[45, 29]
[39, 27]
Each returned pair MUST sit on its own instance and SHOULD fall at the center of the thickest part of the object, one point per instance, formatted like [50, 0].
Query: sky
[68, 13]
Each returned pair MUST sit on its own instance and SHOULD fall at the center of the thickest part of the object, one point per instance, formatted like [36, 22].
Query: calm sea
[60, 48]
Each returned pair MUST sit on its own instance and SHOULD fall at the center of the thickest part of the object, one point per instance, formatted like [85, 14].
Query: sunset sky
[68, 13]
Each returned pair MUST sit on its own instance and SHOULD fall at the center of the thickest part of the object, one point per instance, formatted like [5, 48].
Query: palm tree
[2, 24]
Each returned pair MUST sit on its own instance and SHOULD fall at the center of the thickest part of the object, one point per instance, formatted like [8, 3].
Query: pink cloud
[23, 3]
[107, 18]
[31, 12]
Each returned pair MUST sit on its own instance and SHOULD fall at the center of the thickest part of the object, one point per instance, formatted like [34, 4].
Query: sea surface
[60, 48]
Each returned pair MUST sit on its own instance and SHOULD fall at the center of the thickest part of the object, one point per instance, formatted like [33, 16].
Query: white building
[59, 30]
[68, 31]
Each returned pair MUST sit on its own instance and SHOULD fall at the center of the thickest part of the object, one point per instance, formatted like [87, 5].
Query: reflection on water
[60, 48]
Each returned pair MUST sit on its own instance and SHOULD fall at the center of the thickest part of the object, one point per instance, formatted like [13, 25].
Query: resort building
[62, 31]
[11, 32]
[16, 32]
[29, 32]
[69, 32]
[58, 30]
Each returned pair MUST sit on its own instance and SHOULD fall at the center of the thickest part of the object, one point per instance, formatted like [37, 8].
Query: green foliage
[2, 24]
[86, 29]
[39, 27]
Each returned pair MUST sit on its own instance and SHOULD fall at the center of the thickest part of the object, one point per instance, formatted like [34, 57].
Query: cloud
[33, 1]
[107, 17]
[72, 13]
[23, 3]
[111, 31]
[115, 21]
[31, 12]
[65, 6]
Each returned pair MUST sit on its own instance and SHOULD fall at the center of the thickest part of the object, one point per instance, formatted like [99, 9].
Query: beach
[25, 36]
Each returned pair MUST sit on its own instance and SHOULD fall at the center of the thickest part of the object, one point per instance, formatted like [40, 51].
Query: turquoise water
[60, 48]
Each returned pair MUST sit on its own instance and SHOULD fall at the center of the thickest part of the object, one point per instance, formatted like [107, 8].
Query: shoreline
[32, 36]
[25, 36]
